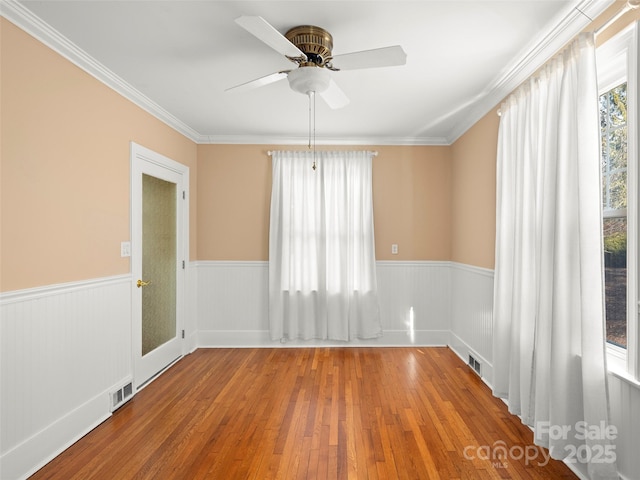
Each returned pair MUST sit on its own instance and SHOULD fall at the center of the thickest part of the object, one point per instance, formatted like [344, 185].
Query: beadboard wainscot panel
[63, 349]
[414, 302]
[191, 309]
[472, 315]
[233, 305]
[624, 401]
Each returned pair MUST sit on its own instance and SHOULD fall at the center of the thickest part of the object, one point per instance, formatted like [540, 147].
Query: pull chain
[312, 125]
[310, 118]
[314, 132]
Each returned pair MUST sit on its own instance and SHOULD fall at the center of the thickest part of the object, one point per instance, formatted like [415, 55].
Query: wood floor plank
[308, 413]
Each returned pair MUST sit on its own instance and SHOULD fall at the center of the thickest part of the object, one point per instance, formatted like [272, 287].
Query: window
[613, 123]
[618, 82]
[322, 271]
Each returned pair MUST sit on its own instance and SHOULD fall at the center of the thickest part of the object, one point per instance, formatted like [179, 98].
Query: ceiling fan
[310, 48]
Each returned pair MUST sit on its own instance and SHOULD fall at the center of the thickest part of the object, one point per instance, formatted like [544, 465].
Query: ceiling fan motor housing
[315, 42]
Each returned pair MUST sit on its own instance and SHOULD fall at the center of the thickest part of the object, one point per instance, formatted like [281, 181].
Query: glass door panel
[158, 262]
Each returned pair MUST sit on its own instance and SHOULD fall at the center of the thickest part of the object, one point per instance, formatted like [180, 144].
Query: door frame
[144, 160]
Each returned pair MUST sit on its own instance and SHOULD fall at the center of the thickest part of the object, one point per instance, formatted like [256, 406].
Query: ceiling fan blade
[334, 96]
[264, 31]
[378, 57]
[260, 82]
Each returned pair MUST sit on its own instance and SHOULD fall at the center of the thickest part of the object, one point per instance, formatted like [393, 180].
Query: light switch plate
[394, 249]
[125, 249]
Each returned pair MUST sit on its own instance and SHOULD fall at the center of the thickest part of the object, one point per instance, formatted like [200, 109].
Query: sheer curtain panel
[322, 276]
[549, 349]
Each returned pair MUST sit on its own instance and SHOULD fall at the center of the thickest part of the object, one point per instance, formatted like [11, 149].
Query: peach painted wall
[410, 193]
[473, 193]
[65, 167]
[64, 179]
[234, 188]
[411, 186]
[625, 20]
[473, 170]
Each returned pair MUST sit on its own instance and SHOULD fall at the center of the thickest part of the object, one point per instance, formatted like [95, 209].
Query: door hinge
[182, 333]
[184, 195]
[183, 264]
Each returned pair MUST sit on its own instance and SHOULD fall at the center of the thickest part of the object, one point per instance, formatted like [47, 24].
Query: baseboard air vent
[475, 365]
[120, 396]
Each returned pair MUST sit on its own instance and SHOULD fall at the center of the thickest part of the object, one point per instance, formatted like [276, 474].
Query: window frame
[617, 62]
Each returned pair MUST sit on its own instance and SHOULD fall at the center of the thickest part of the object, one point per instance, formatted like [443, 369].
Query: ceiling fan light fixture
[309, 79]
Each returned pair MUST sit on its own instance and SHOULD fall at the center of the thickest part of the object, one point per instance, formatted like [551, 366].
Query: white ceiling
[176, 58]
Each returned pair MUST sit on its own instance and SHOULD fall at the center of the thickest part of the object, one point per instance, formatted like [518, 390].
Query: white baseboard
[260, 338]
[191, 344]
[28, 457]
[463, 350]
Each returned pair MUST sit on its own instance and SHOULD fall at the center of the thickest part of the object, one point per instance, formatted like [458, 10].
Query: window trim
[617, 61]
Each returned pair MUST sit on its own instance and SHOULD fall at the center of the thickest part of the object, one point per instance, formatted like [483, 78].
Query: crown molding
[17, 14]
[304, 141]
[568, 24]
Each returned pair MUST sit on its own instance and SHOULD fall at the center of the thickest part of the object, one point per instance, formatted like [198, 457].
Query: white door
[159, 244]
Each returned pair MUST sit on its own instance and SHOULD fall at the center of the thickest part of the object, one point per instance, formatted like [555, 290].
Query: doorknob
[141, 283]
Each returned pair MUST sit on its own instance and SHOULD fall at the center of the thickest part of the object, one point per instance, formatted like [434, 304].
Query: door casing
[146, 161]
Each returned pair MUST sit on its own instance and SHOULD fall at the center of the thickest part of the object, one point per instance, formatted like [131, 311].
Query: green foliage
[613, 120]
[615, 250]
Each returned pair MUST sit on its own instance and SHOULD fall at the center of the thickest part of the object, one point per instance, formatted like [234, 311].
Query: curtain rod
[374, 153]
[630, 5]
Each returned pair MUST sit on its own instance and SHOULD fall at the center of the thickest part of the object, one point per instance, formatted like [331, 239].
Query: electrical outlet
[394, 249]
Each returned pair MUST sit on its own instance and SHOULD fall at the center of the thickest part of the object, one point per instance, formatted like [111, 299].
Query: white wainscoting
[63, 348]
[414, 302]
[191, 308]
[624, 398]
[472, 315]
[233, 305]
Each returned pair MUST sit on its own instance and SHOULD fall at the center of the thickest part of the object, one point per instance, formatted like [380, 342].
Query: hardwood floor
[325, 413]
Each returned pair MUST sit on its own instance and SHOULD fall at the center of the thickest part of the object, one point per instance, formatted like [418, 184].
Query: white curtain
[322, 276]
[549, 348]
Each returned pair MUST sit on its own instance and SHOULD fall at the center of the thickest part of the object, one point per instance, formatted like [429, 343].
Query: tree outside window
[613, 123]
